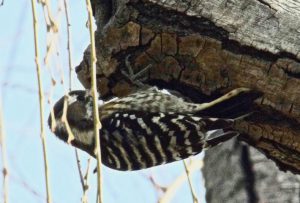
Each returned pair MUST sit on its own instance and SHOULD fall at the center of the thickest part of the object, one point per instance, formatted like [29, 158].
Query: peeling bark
[205, 48]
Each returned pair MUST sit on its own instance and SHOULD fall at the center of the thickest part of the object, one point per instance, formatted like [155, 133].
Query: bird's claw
[136, 78]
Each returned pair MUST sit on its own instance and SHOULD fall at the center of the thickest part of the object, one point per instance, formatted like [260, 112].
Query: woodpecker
[144, 129]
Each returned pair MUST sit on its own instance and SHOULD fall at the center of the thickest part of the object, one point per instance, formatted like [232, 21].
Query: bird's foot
[136, 78]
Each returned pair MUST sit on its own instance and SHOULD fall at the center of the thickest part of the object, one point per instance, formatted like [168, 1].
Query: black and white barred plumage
[144, 129]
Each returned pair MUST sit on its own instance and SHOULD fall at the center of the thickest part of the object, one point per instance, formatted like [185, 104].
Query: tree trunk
[235, 172]
[204, 48]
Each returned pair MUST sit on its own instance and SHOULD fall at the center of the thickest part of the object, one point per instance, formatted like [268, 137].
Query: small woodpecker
[146, 128]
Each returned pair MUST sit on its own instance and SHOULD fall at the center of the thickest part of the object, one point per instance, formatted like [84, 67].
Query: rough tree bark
[204, 48]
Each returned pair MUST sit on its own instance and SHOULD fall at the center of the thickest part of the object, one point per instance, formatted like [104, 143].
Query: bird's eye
[81, 98]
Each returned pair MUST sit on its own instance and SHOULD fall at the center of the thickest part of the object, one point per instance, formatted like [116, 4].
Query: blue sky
[21, 118]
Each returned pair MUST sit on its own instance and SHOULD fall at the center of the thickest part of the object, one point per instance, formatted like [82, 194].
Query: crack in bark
[291, 73]
[266, 4]
[152, 15]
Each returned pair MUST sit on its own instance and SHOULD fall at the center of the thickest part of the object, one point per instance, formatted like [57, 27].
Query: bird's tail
[219, 136]
[234, 104]
[220, 130]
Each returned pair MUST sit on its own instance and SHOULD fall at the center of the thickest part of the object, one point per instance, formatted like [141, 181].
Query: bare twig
[187, 171]
[97, 124]
[79, 169]
[86, 180]
[51, 24]
[41, 99]
[4, 161]
[69, 43]
[83, 179]
[171, 190]
[27, 187]
[64, 119]
[53, 120]
[64, 116]
[158, 187]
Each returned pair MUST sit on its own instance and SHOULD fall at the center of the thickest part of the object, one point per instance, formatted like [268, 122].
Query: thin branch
[86, 180]
[64, 120]
[187, 171]
[83, 180]
[52, 30]
[79, 169]
[51, 24]
[4, 161]
[27, 187]
[97, 124]
[65, 109]
[69, 43]
[171, 190]
[41, 99]
[53, 120]
[158, 187]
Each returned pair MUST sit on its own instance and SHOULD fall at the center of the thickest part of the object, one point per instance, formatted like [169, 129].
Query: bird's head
[78, 107]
